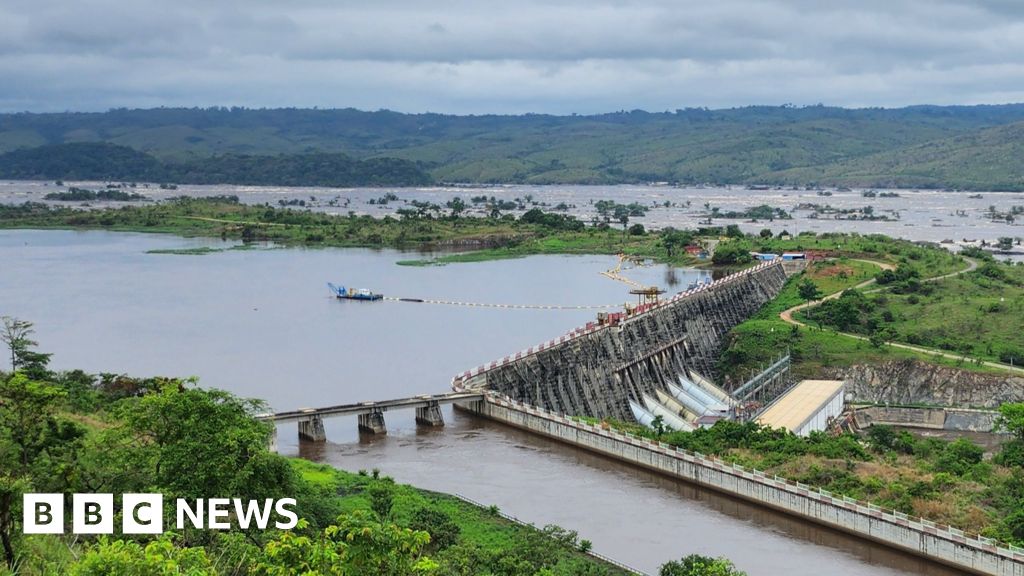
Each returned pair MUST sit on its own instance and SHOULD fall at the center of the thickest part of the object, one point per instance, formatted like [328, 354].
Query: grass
[478, 527]
[972, 314]
[948, 482]
[759, 340]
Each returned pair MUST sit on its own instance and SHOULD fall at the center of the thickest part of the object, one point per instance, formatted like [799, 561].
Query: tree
[658, 424]
[766, 233]
[637, 230]
[731, 253]
[697, 565]
[195, 443]
[158, 558]
[16, 334]
[27, 411]
[457, 205]
[672, 239]
[808, 289]
[382, 496]
[444, 532]
[733, 231]
[1011, 419]
[356, 544]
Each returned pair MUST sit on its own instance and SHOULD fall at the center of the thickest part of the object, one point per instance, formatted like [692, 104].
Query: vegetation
[966, 314]
[948, 482]
[973, 147]
[103, 161]
[82, 195]
[503, 236]
[69, 432]
[757, 341]
[697, 565]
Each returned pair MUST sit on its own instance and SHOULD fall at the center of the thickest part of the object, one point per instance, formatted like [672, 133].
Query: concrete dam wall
[597, 369]
[945, 544]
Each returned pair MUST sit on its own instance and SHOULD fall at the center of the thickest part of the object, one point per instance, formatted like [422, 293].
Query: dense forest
[102, 161]
[964, 147]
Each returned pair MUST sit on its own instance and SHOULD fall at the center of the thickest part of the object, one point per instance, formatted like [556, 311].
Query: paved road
[787, 316]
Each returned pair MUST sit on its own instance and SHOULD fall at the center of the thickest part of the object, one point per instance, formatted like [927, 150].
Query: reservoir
[261, 323]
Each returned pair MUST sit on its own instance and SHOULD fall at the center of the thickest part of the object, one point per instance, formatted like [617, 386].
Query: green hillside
[959, 146]
[103, 161]
[990, 159]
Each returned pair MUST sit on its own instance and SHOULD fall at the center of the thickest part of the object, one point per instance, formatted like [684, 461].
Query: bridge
[371, 414]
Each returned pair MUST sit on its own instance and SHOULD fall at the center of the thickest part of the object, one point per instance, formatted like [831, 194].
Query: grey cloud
[472, 56]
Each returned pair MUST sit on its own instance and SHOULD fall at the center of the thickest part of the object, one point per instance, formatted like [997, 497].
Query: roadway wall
[940, 543]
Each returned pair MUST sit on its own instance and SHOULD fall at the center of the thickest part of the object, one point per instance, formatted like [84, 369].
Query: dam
[599, 369]
[651, 356]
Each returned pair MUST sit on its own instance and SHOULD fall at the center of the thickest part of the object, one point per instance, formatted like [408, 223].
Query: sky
[484, 56]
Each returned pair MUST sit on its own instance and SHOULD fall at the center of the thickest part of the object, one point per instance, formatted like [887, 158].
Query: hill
[962, 146]
[102, 161]
[989, 159]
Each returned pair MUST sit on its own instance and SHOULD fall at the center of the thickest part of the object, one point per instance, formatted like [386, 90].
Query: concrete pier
[373, 422]
[430, 415]
[312, 430]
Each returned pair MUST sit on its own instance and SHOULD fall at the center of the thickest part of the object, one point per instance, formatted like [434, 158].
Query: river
[260, 323]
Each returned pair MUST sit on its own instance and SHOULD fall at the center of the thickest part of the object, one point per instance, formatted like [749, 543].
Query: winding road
[972, 264]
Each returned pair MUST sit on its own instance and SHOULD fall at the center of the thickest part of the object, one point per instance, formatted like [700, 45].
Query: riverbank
[461, 529]
[187, 442]
[473, 238]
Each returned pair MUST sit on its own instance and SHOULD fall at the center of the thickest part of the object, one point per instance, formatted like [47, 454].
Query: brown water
[260, 323]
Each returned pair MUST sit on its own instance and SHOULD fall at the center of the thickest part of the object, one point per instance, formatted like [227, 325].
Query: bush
[697, 565]
[443, 531]
[959, 457]
[732, 253]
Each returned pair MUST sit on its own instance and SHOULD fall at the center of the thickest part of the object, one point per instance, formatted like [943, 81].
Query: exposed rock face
[917, 382]
[597, 374]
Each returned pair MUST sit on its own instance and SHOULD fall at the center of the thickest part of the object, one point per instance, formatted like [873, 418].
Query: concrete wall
[952, 419]
[596, 370]
[939, 543]
[820, 420]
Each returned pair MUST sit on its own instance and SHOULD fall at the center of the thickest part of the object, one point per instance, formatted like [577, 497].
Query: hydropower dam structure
[657, 359]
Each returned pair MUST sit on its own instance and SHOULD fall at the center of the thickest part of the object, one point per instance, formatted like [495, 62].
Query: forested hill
[102, 161]
[969, 147]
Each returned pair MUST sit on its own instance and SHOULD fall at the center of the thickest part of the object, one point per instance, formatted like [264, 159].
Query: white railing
[895, 517]
[591, 327]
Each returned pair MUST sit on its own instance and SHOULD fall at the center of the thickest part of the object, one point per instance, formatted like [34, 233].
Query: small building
[763, 256]
[794, 256]
[696, 251]
[807, 407]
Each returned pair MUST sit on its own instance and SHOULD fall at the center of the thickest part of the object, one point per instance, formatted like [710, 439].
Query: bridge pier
[312, 429]
[373, 422]
[430, 415]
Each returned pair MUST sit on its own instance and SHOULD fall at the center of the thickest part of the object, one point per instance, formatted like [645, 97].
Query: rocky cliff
[917, 382]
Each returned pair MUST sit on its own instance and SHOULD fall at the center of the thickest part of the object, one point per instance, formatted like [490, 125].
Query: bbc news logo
[143, 513]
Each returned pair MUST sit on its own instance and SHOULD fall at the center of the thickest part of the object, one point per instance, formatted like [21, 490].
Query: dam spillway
[598, 369]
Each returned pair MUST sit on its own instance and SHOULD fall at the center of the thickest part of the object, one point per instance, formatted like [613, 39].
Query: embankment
[940, 543]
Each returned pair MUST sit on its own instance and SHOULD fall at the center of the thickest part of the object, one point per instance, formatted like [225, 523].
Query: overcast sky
[478, 56]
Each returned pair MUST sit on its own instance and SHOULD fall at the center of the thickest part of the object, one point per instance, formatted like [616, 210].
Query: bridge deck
[367, 407]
